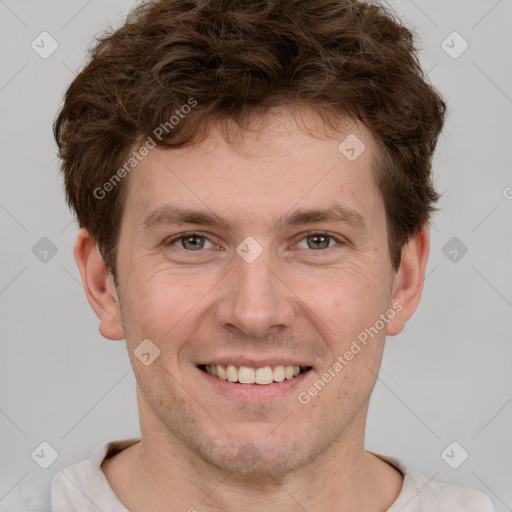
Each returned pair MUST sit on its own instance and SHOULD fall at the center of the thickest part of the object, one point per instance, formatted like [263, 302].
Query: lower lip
[255, 392]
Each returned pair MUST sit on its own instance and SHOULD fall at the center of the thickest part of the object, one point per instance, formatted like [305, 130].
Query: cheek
[347, 298]
[157, 302]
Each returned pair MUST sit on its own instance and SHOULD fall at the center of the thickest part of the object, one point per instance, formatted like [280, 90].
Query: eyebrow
[169, 215]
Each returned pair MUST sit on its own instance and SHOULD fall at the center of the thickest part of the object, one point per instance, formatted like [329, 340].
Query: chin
[258, 458]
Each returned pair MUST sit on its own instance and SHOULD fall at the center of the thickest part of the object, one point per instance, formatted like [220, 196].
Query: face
[284, 263]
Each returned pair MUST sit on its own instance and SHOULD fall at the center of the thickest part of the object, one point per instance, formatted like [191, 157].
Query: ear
[408, 281]
[99, 286]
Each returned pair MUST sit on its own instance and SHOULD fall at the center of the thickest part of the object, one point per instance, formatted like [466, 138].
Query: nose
[254, 299]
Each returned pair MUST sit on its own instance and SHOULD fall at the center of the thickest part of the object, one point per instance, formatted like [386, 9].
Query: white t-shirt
[83, 487]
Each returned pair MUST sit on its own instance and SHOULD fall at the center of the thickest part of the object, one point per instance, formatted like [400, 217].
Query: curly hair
[348, 59]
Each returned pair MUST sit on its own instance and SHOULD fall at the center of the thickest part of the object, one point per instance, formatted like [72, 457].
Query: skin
[293, 300]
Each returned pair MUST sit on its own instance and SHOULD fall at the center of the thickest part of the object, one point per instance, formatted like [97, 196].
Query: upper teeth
[247, 375]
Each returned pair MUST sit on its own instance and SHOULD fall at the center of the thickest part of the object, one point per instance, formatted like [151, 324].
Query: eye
[318, 241]
[194, 242]
[190, 241]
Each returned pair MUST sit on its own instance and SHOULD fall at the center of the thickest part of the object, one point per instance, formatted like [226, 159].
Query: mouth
[261, 376]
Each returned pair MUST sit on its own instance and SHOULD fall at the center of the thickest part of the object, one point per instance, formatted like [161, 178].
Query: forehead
[279, 170]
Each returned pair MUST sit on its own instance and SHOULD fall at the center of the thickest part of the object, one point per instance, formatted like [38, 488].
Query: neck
[161, 474]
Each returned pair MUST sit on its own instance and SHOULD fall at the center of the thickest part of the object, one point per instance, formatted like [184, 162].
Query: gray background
[447, 377]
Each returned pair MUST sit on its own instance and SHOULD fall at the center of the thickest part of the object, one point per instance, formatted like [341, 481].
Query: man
[253, 185]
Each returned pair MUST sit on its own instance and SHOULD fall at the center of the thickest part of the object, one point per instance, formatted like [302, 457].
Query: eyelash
[172, 240]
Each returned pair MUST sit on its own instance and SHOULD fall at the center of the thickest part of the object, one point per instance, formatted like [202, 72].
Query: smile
[247, 375]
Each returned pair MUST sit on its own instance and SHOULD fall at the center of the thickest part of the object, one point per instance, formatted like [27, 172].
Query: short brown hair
[350, 58]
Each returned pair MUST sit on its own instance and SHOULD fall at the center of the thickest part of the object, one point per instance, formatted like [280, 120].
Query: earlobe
[408, 281]
[99, 286]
